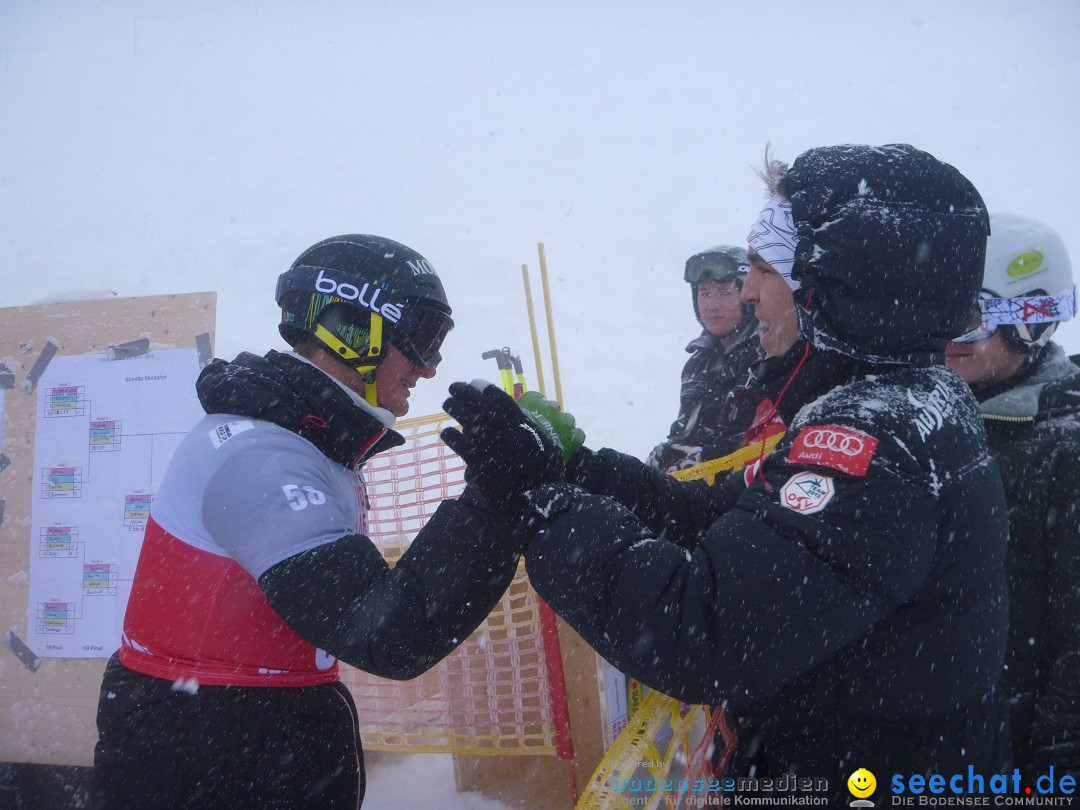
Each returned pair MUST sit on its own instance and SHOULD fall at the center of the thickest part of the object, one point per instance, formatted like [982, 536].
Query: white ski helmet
[1027, 281]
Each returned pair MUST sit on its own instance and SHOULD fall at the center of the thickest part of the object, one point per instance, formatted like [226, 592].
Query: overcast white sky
[157, 147]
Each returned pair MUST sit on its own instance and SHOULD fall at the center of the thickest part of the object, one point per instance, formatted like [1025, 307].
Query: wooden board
[48, 705]
[543, 783]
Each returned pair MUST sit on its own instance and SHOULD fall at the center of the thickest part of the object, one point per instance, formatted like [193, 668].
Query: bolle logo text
[846, 443]
[350, 292]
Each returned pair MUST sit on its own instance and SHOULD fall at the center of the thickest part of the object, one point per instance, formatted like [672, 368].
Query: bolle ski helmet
[721, 264]
[357, 293]
[1027, 287]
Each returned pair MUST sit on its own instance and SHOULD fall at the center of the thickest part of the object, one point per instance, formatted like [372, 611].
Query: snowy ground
[419, 781]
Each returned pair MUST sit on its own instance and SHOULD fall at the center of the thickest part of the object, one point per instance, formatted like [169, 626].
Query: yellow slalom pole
[532, 328]
[550, 325]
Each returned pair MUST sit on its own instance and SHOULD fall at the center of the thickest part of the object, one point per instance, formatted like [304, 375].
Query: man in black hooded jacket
[845, 594]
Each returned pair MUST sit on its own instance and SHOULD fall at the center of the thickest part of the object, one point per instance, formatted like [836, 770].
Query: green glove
[557, 425]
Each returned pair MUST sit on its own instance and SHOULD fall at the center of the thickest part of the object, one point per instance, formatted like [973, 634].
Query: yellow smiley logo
[861, 783]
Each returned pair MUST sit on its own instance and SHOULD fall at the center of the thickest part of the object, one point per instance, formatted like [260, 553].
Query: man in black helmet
[719, 363]
[255, 574]
[846, 593]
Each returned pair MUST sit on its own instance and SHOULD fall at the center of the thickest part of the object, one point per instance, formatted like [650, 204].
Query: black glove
[505, 452]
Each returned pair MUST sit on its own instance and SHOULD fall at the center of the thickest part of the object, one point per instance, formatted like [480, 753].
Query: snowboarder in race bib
[256, 574]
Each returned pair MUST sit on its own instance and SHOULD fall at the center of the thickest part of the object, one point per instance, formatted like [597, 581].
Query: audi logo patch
[840, 448]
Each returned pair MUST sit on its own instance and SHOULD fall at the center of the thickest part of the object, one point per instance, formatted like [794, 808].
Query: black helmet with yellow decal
[357, 294]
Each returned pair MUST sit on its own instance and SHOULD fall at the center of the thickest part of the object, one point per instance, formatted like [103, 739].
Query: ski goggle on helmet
[722, 263]
[1027, 284]
[355, 294]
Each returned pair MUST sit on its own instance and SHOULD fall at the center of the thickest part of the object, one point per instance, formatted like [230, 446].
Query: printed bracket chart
[104, 435]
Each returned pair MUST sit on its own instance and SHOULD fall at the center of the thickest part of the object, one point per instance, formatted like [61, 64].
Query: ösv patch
[807, 492]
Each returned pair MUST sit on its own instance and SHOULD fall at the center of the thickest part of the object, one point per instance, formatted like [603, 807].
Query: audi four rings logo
[823, 439]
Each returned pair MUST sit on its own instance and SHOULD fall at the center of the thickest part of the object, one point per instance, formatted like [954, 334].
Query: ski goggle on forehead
[1019, 312]
[714, 268]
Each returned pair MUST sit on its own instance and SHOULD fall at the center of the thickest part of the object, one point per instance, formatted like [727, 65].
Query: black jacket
[708, 425]
[868, 633]
[847, 597]
[343, 597]
[1033, 427]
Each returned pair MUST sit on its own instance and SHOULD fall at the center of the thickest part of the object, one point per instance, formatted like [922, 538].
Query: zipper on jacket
[990, 417]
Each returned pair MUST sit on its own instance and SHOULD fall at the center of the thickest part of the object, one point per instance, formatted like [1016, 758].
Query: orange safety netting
[491, 695]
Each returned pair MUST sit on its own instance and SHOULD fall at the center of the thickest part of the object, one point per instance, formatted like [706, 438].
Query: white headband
[773, 237]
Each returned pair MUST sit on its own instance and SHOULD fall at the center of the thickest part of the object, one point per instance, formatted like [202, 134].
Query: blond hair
[773, 172]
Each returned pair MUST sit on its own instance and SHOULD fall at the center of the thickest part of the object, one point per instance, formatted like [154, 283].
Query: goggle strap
[345, 352]
[1028, 309]
[339, 347]
[371, 395]
[375, 342]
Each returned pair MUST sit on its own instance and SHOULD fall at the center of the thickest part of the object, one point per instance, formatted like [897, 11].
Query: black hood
[890, 251]
[293, 394]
